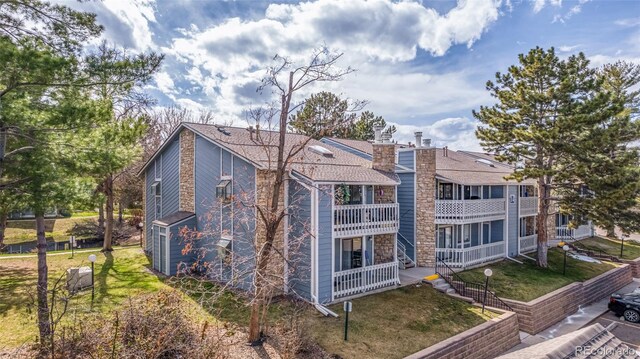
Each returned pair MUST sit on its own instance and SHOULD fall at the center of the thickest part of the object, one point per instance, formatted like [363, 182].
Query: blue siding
[149, 208]
[244, 220]
[155, 257]
[497, 231]
[346, 148]
[475, 234]
[513, 219]
[170, 178]
[300, 240]
[177, 260]
[405, 158]
[406, 199]
[325, 273]
[226, 163]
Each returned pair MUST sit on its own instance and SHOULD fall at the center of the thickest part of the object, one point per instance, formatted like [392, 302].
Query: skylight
[485, 162]
[321, 150]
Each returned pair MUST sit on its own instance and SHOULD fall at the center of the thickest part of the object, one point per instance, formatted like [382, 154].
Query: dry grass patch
[395, 323]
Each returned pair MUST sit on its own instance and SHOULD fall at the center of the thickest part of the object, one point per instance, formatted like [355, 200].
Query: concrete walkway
[414, 275]
[581, 318]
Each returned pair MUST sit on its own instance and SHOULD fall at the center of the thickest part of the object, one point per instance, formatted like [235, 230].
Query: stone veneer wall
[384, 245]
[384, 157]
[264, 183]
[187, 171]
[425, 206]
[536, 315]
[487, 340]
[388, 194]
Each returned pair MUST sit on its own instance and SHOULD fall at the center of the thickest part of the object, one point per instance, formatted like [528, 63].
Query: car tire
[631, 315]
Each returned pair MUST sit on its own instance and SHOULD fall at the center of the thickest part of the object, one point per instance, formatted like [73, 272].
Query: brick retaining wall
[635, 266]
[536, 315]
[487, 340]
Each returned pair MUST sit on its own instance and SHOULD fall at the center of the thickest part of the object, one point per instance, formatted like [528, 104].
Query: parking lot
[626, 331]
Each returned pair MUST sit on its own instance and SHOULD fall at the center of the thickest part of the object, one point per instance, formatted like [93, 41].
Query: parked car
[626, 305]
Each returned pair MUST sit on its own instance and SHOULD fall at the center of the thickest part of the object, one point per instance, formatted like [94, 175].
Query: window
[223, 190]
[224, 249]
[445, 191]
[348, 194]
[156, 190]
[351, 253]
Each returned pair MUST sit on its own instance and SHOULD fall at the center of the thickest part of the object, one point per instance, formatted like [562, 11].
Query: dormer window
[223, 190]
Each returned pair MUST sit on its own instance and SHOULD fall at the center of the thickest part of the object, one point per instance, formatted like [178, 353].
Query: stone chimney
[187, 171]
[384, 152]
[425, 167]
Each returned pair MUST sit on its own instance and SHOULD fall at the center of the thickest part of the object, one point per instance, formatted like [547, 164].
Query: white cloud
[630, 22]
[540, 4]
[458, 133]
[228, 59]
[567, 48]
[165, 83]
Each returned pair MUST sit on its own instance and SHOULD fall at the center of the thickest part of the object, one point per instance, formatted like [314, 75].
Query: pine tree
[547, 118]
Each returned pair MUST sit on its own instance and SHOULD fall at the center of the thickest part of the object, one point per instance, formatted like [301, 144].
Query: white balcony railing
[528, 243]
[566, 233]
[461, 211]
[364, 279]
[365, 219]
[528, 206]
[465, 257]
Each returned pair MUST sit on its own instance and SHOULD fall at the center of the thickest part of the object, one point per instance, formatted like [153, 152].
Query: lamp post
[92, 259]
[487, 273]
[565, 248]
[140, 226]
[72, 244]
[621, 245]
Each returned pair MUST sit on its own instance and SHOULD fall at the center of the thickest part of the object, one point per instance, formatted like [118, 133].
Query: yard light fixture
[487, 273]
[565, 248]
[92, 259]
[140, 226]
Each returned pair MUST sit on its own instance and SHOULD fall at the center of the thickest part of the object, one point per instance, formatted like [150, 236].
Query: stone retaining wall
[487, 340]
[536, 315]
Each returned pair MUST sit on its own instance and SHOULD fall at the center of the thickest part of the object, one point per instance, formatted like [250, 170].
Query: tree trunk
[108, 231]
[120, 213]
[43, 306]
[101, 220]
[541, 222]
[3, 226]
[611, 232]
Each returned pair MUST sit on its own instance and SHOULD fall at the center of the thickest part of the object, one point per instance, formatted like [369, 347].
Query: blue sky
[421, 65]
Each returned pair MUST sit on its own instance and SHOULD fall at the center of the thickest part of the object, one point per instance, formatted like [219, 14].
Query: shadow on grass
[13, 288]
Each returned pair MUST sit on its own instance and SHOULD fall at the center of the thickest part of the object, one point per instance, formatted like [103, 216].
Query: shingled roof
[260, 148]
[465, 167]
[594, 341]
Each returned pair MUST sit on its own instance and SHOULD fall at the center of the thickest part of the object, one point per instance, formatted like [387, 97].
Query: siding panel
[406, 198]
[513, 221]
[324, 238]
[405, 158]
[170, 178]
[177, 243]
[300, 239]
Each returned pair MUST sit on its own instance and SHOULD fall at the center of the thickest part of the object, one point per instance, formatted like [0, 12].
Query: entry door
[445, 237]
[351, 253]
[162, 249]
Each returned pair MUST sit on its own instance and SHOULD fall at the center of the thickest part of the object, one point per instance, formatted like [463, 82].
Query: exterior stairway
[441, 285]
[404, 261]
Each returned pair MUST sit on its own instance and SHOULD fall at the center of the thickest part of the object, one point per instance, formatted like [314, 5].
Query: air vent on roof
[321, 150]
[485, 162]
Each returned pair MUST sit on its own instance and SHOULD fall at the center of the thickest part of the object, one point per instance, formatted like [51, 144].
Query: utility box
[78, 278]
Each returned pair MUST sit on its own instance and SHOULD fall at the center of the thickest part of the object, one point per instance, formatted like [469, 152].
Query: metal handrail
[469, 289]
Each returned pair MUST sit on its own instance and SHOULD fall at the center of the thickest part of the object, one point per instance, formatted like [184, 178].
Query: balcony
[365, 219]
[359, 280]
[528, 243]
[465, 257]
[528, 206]
[467, 211]
[565, 233]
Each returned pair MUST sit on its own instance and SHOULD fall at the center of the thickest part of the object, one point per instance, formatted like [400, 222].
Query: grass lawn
[611, 247]
[119, 275]
[24, 230]
[526, 281]
[395, 323]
